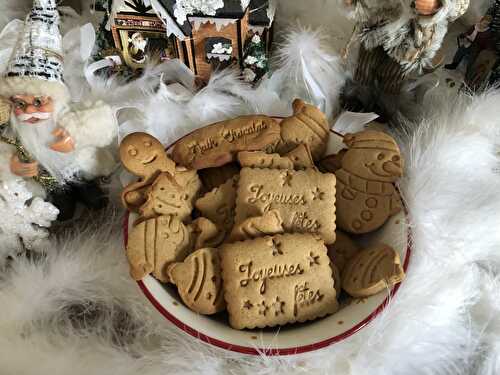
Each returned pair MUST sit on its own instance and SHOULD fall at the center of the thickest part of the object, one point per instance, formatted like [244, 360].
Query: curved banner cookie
[218, 144]
[277, 280]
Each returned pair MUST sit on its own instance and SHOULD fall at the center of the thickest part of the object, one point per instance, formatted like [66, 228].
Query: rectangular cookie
[305, 199]
[277, 280]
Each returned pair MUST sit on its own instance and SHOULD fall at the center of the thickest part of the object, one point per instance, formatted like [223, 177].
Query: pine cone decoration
[427, 7]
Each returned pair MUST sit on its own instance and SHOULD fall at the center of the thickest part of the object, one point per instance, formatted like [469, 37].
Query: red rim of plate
[272, 352]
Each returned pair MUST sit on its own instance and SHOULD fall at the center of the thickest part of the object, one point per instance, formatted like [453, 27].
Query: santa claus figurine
[59, 144]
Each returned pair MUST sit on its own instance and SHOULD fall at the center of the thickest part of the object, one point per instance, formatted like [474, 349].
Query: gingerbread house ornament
[205, 36]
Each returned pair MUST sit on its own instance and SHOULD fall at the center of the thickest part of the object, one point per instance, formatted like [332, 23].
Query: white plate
[291, 339]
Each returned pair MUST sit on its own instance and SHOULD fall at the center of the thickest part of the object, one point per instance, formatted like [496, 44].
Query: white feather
[307, 68]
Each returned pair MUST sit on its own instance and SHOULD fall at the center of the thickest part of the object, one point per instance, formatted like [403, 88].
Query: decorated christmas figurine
[366, 196]
[399, 38]
[60, 145]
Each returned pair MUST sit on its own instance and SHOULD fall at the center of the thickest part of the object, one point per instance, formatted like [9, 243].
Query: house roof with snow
[261, 13]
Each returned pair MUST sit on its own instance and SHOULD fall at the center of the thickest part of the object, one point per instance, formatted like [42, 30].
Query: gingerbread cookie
[305, 200]
[166, 197]
[301, 157]
[366, 196]
[205, 233]
[268, 224]
[307, 125]
[343, 249]
[215, 177]
[172, 195]
[199, 282]
[260, 159]
[144, 156]
[371, 271]
[277, 280]
[218, 144]
[154, 244]
[218, 205]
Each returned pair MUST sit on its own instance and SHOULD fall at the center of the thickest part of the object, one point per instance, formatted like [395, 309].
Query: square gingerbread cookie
[305, 200]
[277, 280]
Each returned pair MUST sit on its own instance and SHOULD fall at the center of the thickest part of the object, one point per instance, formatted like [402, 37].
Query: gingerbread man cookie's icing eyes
[143, 155]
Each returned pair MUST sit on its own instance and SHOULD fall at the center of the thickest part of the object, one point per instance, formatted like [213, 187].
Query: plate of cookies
[264, 235]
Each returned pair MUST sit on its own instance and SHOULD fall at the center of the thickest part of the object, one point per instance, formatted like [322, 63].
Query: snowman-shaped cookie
[366, 196]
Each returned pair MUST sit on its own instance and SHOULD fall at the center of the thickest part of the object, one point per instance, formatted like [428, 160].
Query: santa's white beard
[36, 138]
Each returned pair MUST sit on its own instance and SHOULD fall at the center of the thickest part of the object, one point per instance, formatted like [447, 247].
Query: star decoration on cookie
[313, 259]
[263, 308]
[279, 306]
[318, 194]
[287, 179]
[247, 305]
[276, 247]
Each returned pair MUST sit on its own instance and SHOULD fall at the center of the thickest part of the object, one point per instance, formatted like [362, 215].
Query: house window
[218, 51]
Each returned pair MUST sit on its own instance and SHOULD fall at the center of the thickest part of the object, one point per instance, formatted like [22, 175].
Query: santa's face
[31, 109]
[373, 164]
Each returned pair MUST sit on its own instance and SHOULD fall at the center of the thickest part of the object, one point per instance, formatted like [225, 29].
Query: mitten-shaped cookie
[371, 271]
[199, 281]
[307, 125]
[366, 196]
[154, 244]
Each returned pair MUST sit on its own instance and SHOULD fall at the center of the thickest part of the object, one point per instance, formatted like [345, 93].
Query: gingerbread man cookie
[144, 156]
